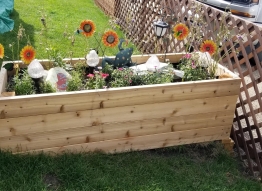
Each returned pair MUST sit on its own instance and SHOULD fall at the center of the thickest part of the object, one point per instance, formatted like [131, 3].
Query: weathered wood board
[119, 119]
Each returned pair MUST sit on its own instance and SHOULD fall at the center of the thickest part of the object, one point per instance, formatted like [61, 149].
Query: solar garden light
[160, 28]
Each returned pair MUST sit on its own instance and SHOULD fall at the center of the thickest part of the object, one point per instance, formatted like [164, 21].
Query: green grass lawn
[184, 168]
[63, 17]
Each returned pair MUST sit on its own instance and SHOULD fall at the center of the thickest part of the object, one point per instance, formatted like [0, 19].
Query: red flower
[90, 75]
[104, 75]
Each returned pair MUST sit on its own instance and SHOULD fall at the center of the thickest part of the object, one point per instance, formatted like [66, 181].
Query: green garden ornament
[122, 59]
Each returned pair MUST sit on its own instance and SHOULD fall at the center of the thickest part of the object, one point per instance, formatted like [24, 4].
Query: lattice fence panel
[136, 19]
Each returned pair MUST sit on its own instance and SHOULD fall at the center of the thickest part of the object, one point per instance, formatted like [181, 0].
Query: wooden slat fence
[136, 18]
[108, 6]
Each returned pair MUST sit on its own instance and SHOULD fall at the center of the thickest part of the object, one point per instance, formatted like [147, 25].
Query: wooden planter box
[119, 119]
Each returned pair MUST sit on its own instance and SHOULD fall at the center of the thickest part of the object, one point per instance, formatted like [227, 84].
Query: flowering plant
[96, 81]
[27, 53]
[203, 66]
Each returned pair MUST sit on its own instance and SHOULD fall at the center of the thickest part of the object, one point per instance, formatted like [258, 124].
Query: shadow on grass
[10, 38]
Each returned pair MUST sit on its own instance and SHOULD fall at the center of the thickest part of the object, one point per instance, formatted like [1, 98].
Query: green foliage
[80, 67]
[23, 84]
[75, 83]
[158, 77]
[108, 69]
[46, 87]
[194, 70]
[56, 56]
[121, 77]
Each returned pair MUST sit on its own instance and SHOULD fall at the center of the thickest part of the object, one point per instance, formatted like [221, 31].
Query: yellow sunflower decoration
[180, 31]
[87, 28]
[2, 51]
[110, 38]
[27, 54]
[208, 46]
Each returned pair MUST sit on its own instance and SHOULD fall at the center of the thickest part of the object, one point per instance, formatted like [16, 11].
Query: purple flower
[240, 37]
[193, 65]
[187, 56]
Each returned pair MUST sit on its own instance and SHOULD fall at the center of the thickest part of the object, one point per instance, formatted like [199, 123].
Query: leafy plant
[193, 68]
[56, 56]
[75, 83]
[23, 84]
[158, 77]
[108, 69]
[80, 67]
[121, 77]
[46, 87]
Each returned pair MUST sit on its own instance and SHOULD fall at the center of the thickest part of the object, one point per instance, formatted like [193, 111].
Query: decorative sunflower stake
[27, 54]
[87, 28]
[110, 38]
[209, 46]
[180, 31]
[2, 51]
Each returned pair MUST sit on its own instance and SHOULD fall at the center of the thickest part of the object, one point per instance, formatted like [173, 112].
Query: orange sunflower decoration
[110, 38]
[208, 46]
[88, 28]
[2, 51]
[27, 54]
[180, 31]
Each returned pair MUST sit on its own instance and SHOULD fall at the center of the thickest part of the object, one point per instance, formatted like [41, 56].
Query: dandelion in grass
[87, 27]
[110, 38]
[180, 31]
[208, 46]
[2, 51]
[27, 54]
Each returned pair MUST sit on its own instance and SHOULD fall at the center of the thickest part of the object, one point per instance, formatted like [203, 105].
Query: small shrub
[193, 68]
[23, 84]
[46, 87]
[108, 69]
[80, 67]
[121, 77]
[75, 83]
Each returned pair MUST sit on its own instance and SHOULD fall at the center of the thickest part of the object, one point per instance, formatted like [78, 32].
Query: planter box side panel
[3, 80]
[123, 114]
[33, 105]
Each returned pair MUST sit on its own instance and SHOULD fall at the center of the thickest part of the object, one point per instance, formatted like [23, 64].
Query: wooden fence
[136, 17]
